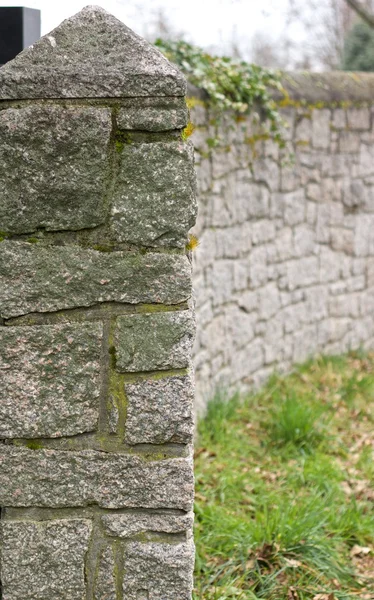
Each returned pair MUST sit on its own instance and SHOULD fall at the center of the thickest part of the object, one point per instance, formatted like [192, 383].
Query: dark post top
[19, 28]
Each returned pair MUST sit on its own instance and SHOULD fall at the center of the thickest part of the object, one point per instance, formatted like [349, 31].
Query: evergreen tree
[359, 48]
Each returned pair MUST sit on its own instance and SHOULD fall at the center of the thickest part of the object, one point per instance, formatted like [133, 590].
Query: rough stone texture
[161, 114]
[105, 585]
[94, 175]
[160, 411]
[90, 55]
[155, 571]
[44, 560]
[36, 278]
[71, 144]
[65, 478]
[154, 200]
[154, 341]
[283, 268]
[50, 380]
[129, 525]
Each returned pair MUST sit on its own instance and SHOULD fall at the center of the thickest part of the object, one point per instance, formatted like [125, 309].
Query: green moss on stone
[34, 444]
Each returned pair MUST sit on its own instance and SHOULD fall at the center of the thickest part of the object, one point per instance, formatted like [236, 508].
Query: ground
[285, 488]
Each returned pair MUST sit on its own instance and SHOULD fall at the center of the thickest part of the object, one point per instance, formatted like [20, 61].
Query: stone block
[364, 166]
[54, 478]
[267, 171]
[238, 330]
[303, 133]
[339, 120]
[154, 341]
[254, 198]
[105, 584]
[342, 240]
[91, 55]
[349, 141]
[132, 524]
[364, 235]
[294, 207]
[53, 167]
[321, 128]
[154, 114]
[268, 301]
[305, 343]
[50, 380]
[156, 571]
[302, 272]
[44, 560]
[36, 278]
[304, 240]
[258, 267]
[160, 411]
[358, 118]
[263, 231]
[154, 198]
[220, 279]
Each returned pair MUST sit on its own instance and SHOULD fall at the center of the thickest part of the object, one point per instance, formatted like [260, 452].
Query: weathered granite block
[70, 62]
[44, 560]
[155, 571]
[65, 478]
[36, 278]
[154, 114]
[128, 525]
[154, 200]
[50, 380]
[160, 411]
[154, 341]
[105, 585]
[69, 191]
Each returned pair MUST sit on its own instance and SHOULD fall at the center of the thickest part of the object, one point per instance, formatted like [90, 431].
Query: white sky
[209, 23]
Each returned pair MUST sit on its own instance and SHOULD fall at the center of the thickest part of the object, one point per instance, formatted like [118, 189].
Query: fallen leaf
[360, 551]
[291, 562]
[346, 488]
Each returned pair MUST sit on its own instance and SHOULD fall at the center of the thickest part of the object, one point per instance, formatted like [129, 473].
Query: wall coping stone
[313, 88]
[90, 55]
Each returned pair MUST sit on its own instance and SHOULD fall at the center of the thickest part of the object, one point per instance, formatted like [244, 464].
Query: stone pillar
[97, 197]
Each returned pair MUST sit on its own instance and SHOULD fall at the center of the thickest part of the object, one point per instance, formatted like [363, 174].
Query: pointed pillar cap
[90, 55]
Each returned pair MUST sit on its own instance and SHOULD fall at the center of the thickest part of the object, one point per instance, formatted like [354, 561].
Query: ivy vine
[230, 84]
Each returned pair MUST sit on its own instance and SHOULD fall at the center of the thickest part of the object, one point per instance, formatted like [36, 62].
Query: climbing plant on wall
[230, 84]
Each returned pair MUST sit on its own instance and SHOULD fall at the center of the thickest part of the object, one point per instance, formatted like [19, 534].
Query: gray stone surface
[278, 274]
[90, 55]
[68, 192]
[154, 341]
[50, 380]
[35, 278]
[156, 571]
[128, 525]
[160, 411]
[105, 585]
[65, 478]
[44, 560]
[154, 114]
[154, 200]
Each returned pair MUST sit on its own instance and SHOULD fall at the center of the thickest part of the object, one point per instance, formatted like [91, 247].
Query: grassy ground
[285, 488]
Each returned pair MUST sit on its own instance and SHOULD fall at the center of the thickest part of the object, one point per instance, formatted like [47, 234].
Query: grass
[285, 488]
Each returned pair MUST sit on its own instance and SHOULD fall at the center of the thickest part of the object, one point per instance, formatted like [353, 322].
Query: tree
[364, 10]
[359, 48]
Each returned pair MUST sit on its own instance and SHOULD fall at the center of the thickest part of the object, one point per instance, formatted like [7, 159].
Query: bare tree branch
[367, 16]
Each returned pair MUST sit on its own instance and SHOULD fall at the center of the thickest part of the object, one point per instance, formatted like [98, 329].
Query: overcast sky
[209, 23]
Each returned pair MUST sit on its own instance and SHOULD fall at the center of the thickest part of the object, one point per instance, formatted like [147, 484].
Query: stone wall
[96, 330]
[285, 265]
